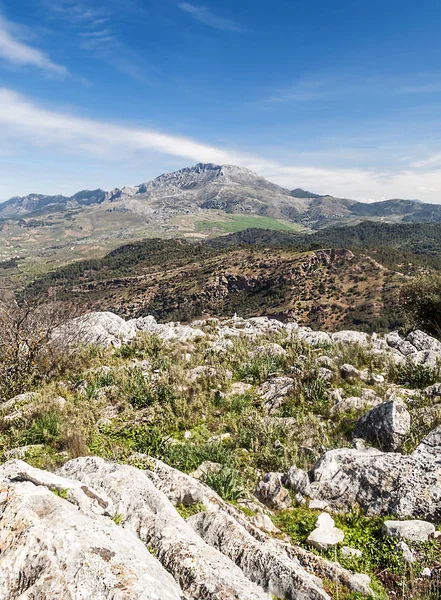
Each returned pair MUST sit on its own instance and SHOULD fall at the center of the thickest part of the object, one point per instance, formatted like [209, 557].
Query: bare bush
[27, 352]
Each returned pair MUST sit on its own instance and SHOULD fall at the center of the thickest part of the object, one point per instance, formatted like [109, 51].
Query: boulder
[351, 337]
[297, 480]
[385, 426]
[430, 448]
[356, 404]
[269, 349]
[271, 492]
[325, 361]
[349, 373]
[166, 331]
[98, 328]
[408, 486]
[326, 534]
[411, 531]
[423, 342]
[314, 338]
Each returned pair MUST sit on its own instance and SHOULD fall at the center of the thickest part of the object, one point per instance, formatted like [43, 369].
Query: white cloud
[203, 14]
[25, 123]
[16, 52]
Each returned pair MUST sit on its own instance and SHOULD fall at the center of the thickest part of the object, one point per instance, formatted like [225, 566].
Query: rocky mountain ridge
[227, 188]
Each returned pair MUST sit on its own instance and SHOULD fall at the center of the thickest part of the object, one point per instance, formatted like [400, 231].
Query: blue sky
[340, 97]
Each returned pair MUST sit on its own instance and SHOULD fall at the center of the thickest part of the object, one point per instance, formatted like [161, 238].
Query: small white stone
[426, 572]
[347, 551]
[326, 533]
[318, 504]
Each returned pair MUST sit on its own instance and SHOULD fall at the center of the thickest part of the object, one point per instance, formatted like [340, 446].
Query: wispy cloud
[422, 88]
[95, 27]
[329, 88]
[204, 15]
[15, 52]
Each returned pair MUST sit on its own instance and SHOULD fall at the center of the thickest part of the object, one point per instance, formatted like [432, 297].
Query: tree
[420, 299]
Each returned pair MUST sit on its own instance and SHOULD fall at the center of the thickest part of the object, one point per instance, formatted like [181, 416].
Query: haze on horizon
[339, 99]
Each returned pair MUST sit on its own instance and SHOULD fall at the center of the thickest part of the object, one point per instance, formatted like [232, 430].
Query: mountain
[226, 188]
[21, 206]
[199, 202]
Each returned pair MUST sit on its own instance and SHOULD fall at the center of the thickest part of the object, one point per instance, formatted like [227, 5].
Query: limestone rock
[422, 341]
[326, 534]
[407, 553]
[100, 328]
[270, 569]
[313, 338]
[239, 388]
[355, 404]
[262, 521]
[408, 486]
[315, 504]
[351, 337]
[166, 331]
[182, 489]
[270, 349]
[353, 552]
[411, 531]
[50, 549]
[200, 569]
[385, 426]
[297, 480]
[430, 447]
[206, 467]
[349, 373]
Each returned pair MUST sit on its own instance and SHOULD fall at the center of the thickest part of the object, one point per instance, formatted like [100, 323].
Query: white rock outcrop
[408, 486]
[53, 549]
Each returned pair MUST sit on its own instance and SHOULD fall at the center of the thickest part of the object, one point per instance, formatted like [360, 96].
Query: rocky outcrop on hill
[408, 486]
[108, 329]
[52, 547]
[58, 539]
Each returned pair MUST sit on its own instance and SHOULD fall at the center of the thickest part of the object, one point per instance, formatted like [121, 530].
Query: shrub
[227, 483]
[421, 301]
[45, 429]
[414, 375]
[27, 355]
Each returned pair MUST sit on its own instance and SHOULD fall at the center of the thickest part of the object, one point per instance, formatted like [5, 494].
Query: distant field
[235, 223]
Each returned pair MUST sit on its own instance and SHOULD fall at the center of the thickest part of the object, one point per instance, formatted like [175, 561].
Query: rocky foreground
[321, 428]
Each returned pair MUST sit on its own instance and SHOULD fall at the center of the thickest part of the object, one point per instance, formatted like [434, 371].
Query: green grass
[234, 223]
